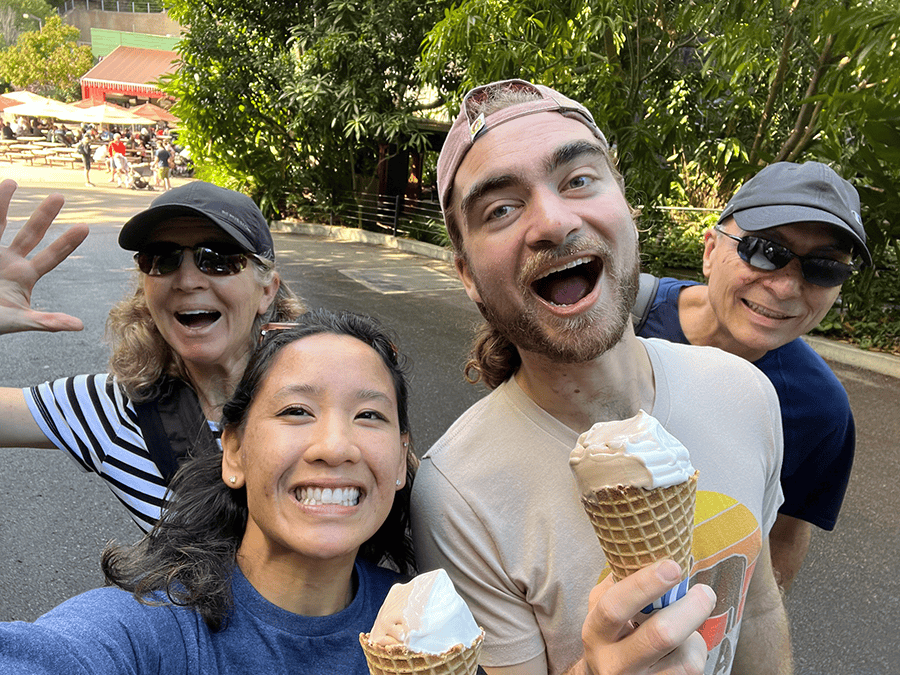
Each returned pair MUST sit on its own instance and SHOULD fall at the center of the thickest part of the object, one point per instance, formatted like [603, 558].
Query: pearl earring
[232, 480]
[405, 444]
[398, 482]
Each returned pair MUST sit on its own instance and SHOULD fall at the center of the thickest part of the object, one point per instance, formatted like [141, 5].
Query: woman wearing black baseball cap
[206, 284]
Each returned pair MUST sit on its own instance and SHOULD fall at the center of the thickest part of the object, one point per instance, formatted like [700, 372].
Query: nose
[551, 220]
[333, 442]
[188, 276]
[786, 282]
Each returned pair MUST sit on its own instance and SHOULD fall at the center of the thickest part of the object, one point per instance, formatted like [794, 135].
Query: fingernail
[710, 593]
[669, 571]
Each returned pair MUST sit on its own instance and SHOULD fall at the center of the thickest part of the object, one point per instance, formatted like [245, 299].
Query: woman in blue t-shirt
[266, 558]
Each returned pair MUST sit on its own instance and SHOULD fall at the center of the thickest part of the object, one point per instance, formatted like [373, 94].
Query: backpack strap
[174, 426]
[644, 301]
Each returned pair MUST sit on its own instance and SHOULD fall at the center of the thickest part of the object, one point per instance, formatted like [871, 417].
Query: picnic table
[22, 151]
[64, 155]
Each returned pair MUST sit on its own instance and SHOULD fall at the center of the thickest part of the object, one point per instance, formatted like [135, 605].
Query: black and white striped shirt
[91, 418]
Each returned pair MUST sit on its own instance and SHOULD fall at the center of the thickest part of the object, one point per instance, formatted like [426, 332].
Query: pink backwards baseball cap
[470, 125]
[784, 193]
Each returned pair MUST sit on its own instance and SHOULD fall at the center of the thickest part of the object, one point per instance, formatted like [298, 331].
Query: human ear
[462, 269]
[232, 464]
[401, 467]
[270, 290]
[709, 244]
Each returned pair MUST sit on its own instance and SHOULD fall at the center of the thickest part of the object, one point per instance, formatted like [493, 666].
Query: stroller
[183, 165]
[138, 178]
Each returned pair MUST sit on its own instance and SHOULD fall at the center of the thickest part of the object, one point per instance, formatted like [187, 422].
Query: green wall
[103, 41]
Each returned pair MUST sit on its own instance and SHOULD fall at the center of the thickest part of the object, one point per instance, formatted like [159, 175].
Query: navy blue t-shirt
[819, 433]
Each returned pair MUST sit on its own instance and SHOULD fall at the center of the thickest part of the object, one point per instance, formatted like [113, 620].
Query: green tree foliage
[635, 65]
[289, 101]
[48, 62]
[697, 96]
[13, 20]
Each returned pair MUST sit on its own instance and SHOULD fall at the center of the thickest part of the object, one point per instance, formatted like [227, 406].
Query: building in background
[128, 75]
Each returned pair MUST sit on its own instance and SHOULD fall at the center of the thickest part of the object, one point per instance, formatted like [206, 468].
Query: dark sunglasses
[764, 254]
[217, 260]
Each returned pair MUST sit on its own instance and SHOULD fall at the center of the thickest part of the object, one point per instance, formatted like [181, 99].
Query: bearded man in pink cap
[546, 247]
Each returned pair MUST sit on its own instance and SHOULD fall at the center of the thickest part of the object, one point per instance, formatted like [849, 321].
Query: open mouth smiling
[568, 283]
[197, 318]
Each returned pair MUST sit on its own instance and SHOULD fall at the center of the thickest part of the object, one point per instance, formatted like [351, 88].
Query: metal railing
[389, 214]
[133, 6]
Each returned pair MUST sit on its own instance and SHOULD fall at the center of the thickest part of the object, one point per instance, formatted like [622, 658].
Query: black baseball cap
[235, 213]
[784, 193]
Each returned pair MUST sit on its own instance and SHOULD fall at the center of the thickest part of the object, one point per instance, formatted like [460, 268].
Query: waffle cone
[637, 527]
[398, 660]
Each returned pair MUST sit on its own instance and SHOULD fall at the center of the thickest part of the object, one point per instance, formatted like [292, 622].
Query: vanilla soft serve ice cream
[425, 615]
[637, 452]
[639, 490]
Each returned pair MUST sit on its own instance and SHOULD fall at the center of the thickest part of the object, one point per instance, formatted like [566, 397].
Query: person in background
[162, 163]
[205, 282]
[83, 146]
[547, 248]
[774, 265]
[118, 161]
[8, 133]
[267, 558]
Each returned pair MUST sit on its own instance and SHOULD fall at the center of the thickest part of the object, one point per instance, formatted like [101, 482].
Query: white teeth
[348, 496]
[197, 311]
[568, 265]
[766, 312]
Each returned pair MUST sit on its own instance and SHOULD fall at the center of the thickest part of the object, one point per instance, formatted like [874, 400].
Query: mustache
[573, 246]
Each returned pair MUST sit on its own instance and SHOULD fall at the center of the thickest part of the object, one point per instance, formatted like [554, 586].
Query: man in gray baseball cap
[774, 265]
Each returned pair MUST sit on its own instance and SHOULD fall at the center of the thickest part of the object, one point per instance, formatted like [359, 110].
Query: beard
[571, 340]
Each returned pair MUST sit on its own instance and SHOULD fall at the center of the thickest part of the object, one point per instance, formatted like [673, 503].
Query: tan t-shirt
[496, 505]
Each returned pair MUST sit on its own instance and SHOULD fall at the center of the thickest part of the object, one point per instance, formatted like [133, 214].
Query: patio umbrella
[154, 112]
[46, 109]
[93, 102]
[25, 97]
[106, 113]
[6, 102]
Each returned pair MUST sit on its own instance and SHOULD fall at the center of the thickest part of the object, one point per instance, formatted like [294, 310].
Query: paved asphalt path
[55, 520]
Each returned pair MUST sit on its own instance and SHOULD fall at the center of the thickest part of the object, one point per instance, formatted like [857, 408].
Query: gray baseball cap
[235, 213]
[784, 193]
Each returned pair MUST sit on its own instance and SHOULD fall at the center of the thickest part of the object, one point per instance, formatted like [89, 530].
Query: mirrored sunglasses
[764, 254]
[216, 260]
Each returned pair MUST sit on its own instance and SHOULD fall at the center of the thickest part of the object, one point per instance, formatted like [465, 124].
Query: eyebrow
[483, 187]
[572, 151]
[838, 246]
[312, 390]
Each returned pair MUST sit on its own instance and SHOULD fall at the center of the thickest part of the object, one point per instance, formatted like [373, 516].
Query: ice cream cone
[638, 526]
[398, 660]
